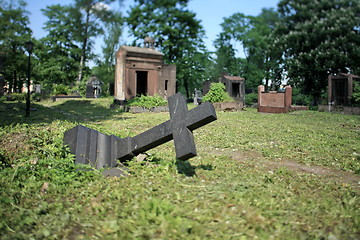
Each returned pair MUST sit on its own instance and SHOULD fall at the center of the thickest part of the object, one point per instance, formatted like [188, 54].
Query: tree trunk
[84, 46]
[20, 83]
[186, 86]
[81, 69]
[14, 87]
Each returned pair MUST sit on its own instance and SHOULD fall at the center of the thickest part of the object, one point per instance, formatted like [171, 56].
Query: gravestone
[104, 151]
[37, 88]
[93, 87]
[89, 91]
[197, 97]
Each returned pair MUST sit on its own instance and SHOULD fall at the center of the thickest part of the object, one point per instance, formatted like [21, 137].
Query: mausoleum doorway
[141, 82]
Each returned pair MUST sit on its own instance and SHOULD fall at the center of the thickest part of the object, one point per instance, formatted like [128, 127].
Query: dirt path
[328, 173]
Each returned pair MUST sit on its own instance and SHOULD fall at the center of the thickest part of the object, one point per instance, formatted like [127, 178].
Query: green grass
[238, 187]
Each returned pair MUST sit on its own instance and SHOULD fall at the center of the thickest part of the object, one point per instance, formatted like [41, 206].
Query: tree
[106, 66]
[318, 38]
[193, 70]
[15, 32]
[89, 17]
[58, 52]
[178, 34]
[226, 61]
[72, 30]
[254, 35]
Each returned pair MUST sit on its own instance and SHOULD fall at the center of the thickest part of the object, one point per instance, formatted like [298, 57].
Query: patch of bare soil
[331, 174]
[328, 173]
[14, 145]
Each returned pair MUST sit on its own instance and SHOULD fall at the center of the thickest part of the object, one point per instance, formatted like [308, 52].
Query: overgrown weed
[212, 196]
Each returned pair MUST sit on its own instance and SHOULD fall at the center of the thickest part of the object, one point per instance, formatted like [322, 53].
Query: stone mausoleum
[340, 92]
[235, 86]
[141, 71]
[340, 88]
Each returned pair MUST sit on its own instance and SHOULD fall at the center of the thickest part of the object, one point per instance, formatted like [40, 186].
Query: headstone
[197, 97]
[37, 88]
[93, 87]
[89, 91]
[100, 150]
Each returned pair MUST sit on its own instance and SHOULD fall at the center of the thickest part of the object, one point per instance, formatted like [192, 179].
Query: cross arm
[200, 116]
[197, 117]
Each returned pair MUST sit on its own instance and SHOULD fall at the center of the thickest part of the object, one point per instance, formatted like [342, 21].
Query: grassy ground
[256, 176]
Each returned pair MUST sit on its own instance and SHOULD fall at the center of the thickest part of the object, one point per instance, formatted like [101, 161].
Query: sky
[210, 12]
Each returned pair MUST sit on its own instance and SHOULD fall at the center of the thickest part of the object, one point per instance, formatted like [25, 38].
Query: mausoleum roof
[234, 78]
[348, 75]
[149, 51]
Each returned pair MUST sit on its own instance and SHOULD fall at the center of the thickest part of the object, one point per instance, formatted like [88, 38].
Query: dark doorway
[340, 91]
[166, 84]
[235, 89]
[141, 82]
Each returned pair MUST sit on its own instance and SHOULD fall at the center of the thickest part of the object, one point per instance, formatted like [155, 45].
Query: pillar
[261, 89]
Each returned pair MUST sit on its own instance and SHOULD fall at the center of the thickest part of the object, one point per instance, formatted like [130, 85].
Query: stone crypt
[141, 71]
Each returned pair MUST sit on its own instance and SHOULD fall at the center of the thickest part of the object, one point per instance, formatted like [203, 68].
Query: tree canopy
[68, 46]
[178, 35]
[318, 38]
[253, 35]
[302, 41]
[14, 21]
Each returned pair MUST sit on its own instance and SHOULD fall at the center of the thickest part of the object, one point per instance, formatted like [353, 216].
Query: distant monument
[277, 102]
[340, 92]
[93, 87]
[340, 88]
[234, 86]
[141, 71]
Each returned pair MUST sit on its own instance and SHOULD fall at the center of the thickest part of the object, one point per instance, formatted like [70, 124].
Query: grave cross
[100, 150]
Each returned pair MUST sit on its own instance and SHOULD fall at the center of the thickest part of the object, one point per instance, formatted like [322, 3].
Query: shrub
[356, 93]
[300, 99]
[217, 93]
[251, 98]
[20, 97]
[147, 101]
[61, 89]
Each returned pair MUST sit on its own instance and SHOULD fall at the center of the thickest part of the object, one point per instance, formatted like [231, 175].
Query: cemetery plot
[248, 182]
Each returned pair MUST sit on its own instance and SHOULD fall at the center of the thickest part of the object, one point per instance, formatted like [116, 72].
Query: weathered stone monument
[340, 92]
[235, 86]
[141, 71]
[93, 87]
[104, 151]
[276, 102]
[340, 88]
[197, 97]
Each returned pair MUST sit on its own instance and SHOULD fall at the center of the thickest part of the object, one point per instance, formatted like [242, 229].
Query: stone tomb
[276, 102]
[235, 86]
[141, 71]
[340, 88]
[93, 87]
[104, 151]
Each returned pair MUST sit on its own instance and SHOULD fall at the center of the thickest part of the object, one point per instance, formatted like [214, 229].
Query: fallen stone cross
[104, 151]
